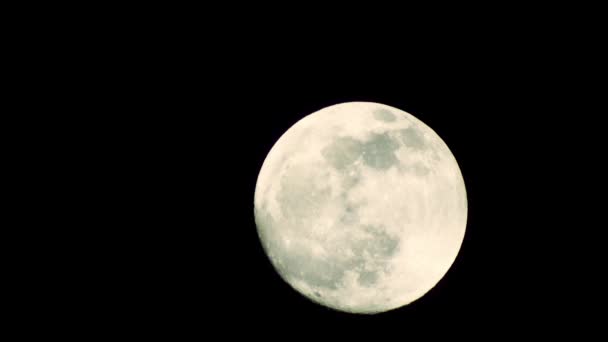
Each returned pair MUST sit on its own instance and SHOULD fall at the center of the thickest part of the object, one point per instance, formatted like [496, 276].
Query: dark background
[181, 113]
[208, 268]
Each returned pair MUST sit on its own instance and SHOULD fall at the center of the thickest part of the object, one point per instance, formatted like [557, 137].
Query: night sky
[193, 116]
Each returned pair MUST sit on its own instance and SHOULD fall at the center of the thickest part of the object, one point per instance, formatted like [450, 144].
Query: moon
[361, 207]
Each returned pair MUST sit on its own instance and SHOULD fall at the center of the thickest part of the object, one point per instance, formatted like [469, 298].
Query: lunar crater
[384, 115]
[342, 152]
[379, 151]
[413, 138]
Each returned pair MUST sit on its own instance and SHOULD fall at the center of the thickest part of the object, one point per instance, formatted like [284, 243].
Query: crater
[350, 177]
[413, 138]
[373, 252]
[381, 244]
[342, 152]
[384, 115]
[379, 152]
[350, 215]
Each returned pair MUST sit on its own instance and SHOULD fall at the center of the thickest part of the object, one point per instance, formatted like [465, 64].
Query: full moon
[361, 207]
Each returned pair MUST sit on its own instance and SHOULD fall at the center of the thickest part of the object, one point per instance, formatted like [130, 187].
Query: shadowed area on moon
[384, 115]
[412, 138]
[378, 152]
[342, 152]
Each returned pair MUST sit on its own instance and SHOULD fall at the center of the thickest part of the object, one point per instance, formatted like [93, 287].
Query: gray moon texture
[361, 207]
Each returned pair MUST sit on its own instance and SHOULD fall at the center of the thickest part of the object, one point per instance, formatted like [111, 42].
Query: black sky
[201, 111]
[487, 110]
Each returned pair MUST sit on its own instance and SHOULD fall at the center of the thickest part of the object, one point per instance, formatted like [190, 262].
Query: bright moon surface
[361, 207]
